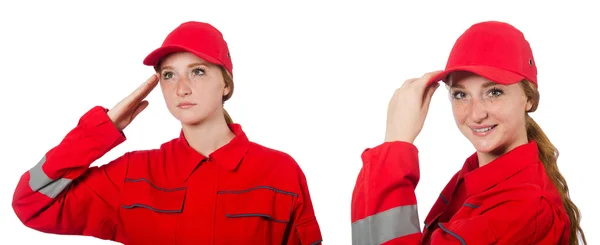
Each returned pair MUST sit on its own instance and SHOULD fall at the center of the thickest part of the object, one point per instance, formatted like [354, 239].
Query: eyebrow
[489, 84]
[189, 66]
[196, 64]
[457, 86]
[485, 85]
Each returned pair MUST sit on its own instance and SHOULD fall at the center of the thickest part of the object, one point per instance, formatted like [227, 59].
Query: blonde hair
[548, 155]
[228, 78]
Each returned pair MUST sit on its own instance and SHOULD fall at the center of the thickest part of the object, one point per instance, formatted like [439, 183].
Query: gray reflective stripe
[462, 241]
[385, 226]
[40, 182]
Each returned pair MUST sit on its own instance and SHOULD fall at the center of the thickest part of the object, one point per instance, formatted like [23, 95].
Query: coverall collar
[478, 179]
[229, 156]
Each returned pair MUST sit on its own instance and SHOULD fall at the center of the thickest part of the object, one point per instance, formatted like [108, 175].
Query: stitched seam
[154, 186]
[317, 242]
[462, 241]
[444, 199]
[535, 227]
[471, 205]
[151, 208]
[255, 215]
[256, 188]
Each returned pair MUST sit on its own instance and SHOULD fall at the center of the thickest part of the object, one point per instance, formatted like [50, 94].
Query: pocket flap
[261, 201]
[143, 193]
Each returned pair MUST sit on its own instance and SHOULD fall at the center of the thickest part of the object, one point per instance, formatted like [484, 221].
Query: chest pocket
[259, 215]
[149, 212]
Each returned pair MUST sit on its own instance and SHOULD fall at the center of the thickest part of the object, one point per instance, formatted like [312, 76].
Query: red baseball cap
[495, 50]
[199, 38]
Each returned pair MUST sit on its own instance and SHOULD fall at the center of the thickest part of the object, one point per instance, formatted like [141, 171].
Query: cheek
[460, 112]
[510, 114]
[516, 120]
[208, 92]
[167, 92]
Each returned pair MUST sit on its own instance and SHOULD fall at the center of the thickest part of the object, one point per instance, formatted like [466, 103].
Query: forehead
[181, 58]
[468, 79]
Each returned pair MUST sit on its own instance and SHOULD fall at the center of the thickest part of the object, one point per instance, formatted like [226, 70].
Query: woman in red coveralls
[508, 192]
[209, 186]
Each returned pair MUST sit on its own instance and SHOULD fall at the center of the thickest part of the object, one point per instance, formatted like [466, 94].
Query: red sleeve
[384, 208]
[305, 228]
[62, 194]
[384, 205]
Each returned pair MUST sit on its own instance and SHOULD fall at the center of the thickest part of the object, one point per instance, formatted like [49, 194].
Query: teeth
[482, 130]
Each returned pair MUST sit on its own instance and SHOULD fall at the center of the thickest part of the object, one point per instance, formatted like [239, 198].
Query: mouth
[185, 105]
[482, 131]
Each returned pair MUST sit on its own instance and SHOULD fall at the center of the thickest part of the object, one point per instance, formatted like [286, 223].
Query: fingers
[143, 105]
[424, 80]
[429, 94]
[144, 89]
[409, 82]
[148, 86]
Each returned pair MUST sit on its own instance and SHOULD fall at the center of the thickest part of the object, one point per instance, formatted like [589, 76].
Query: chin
[486, 146]
[492, 143]
[189, 117]
[190, 121]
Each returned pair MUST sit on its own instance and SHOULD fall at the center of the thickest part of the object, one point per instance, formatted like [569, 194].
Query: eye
[494, 92]
[167, 75]
[198, 72]
[457, 95]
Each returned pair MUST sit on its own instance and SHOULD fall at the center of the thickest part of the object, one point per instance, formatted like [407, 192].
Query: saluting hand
[125, 111]
[408, 108]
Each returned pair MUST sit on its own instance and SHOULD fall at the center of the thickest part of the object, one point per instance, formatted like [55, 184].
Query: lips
[185, 105]
[483, 130]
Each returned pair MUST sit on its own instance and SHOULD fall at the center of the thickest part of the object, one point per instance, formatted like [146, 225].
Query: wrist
[390, 137]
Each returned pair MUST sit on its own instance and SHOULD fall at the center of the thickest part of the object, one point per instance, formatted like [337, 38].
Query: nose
[183, 88]
[478, 110]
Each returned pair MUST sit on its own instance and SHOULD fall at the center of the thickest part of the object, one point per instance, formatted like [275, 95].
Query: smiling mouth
[483, 130]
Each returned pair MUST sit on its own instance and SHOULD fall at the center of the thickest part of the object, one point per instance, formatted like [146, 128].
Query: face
[490, 115]
[193, 88]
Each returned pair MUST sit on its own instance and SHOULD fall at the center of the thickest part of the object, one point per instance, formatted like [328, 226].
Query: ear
[226, 90]
[528, 105]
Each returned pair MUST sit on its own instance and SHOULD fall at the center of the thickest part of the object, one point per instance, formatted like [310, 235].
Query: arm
[384, 208]
[305, 228]
[384, 205]
[62, 194]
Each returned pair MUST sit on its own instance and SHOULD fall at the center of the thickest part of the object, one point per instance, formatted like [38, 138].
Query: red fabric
[511, 200]
[243, 193]
[495, 50]
[199, 38]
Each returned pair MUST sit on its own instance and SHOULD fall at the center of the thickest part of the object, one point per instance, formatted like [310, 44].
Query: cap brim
[491, 73]
[153, 58]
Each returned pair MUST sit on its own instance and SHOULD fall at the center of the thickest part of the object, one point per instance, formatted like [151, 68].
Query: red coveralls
[243, 193]
[511, 200]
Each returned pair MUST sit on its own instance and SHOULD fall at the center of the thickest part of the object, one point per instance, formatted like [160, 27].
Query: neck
[208, 136]
[486, 157]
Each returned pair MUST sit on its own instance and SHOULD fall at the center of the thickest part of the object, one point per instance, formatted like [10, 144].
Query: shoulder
[524, 213]
[143, 157]
[273, 155]
[269, 152]
[274, 159]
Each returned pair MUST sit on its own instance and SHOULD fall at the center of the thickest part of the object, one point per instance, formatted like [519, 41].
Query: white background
[312, 79]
